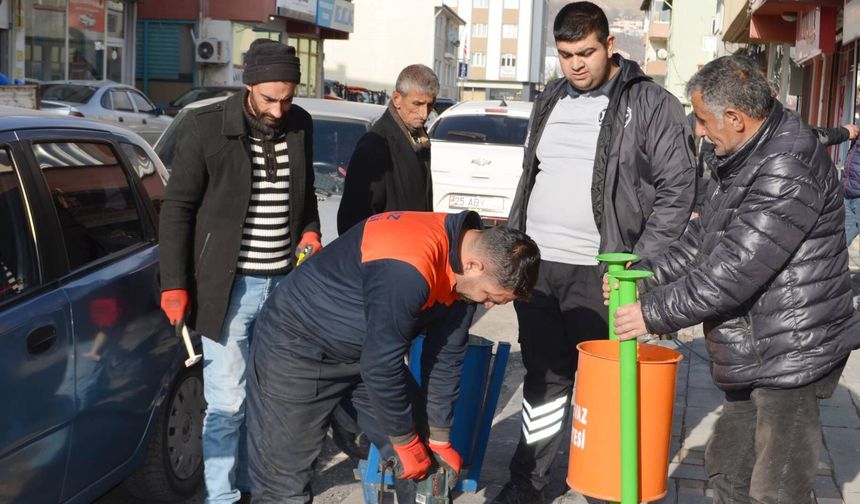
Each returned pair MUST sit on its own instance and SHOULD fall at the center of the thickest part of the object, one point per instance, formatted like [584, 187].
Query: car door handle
[41, 340]
[144, 121]
[120, 119]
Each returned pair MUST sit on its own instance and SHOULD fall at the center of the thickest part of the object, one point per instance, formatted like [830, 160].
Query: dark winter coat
[207, 199]
[644, 180]
[765, 266]
[385, 174]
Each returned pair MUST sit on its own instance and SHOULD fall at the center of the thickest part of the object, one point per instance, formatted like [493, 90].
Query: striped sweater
[266, 246]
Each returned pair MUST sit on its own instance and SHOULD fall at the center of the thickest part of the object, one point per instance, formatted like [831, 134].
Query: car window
[143, 105]
[93, 199]
[73, 93]
[149, 173]
[166, 145]
[334, 142]
[121, 101]
[493, 129]
[17, 257]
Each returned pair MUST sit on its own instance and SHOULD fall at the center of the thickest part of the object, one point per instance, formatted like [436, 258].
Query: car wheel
[172, 468]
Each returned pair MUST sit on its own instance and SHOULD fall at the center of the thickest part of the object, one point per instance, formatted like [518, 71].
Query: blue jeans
[852, 219]
[225, 453]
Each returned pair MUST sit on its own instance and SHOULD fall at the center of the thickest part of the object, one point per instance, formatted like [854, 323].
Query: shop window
[45, 39]
[308, 52]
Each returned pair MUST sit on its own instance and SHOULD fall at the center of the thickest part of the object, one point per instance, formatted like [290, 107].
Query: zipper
[202, 253]
[751, 337]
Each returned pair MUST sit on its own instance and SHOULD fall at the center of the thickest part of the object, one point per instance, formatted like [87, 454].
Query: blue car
[94, 387]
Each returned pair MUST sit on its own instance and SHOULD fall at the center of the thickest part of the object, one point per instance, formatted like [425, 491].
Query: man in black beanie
[239, 205]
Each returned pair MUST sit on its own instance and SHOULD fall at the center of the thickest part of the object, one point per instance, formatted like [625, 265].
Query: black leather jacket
[644, 179]
[765, 267]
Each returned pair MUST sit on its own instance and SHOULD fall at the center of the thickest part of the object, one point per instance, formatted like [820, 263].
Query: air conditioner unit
[211, 50]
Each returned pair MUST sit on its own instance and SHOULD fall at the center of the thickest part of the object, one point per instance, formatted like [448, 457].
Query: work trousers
[765, 445]
[566, 309]
[292, 391]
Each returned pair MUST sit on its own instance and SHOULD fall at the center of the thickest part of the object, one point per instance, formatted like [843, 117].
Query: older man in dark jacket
[390, 168]
[239, 203]
[765, 269]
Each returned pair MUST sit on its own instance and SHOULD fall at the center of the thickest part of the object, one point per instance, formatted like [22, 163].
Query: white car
[477, 157]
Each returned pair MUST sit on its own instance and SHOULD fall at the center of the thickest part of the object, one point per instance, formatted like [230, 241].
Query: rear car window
[73, 93]
[334, 142]
[493, 129]
[17, 257]
[149, 173]
[93, 199]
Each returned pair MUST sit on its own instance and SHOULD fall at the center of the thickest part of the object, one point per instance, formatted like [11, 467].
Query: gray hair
[733, 81]
[418, 77]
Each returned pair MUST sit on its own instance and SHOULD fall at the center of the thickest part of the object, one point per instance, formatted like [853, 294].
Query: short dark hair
[733, 81]
[513, 256]
[577, 20]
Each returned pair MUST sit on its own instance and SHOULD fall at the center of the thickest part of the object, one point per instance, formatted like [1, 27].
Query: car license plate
[473, 202]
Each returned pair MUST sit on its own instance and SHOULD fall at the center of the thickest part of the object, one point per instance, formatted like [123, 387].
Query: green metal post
[629, 393]
[615, 262]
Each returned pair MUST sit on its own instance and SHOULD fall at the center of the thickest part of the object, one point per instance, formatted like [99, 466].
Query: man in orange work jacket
[340, 325]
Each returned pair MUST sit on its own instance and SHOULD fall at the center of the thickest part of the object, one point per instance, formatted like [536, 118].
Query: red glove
[311, 238]
[448, 454]
[174, 304]
[414, 459]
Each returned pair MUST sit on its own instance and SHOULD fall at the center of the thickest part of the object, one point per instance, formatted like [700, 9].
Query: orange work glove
[448, 454]
[311, 238]
[174, 304]
[414, 459]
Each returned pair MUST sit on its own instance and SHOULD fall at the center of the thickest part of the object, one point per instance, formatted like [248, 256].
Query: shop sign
[87, 15]
[335, 14]
[816, 34]
[303, 10]
[851, 21]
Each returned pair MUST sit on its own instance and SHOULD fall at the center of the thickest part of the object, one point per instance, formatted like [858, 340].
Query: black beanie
[270, 61]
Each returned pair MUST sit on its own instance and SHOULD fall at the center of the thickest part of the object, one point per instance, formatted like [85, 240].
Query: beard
[268, 119]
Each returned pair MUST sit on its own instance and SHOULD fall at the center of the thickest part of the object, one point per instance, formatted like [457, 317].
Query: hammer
[192, 357]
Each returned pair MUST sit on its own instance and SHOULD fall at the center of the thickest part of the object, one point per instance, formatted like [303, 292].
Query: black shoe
[519, 494]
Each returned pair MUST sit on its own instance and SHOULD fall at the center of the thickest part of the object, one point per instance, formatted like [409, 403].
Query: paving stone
[841, 397]
[826, 488]
[705, 397]
[844, 448]
[839, 416]
[694, 499]
[691, 487]
[687, 471]
[698, 426]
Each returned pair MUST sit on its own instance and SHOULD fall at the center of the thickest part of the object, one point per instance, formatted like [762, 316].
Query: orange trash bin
[595, 437]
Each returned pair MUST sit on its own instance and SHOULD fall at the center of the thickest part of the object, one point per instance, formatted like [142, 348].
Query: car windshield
[198, 94]
[74, 93]
[334, 141]
[492, 129]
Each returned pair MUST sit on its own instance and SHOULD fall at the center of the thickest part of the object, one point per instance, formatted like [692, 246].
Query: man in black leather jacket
[765, 269]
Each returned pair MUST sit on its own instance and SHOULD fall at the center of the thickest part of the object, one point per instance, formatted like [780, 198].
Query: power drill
[436, 487]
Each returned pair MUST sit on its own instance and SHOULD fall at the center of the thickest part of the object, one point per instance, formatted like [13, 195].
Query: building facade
[504, 48]
[392, 34]
[185, 44]
[809, 49]
[44, 40]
